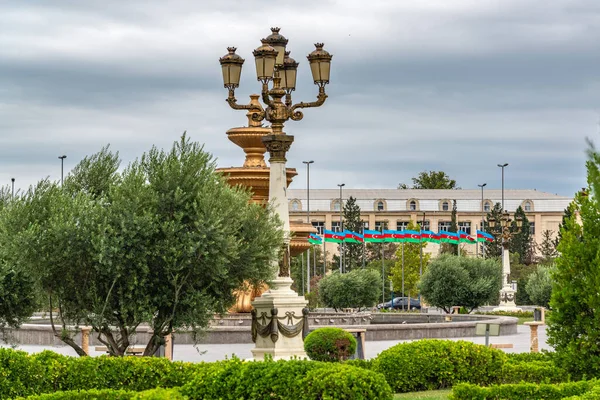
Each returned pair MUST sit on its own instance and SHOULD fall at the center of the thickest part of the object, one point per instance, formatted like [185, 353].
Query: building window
[532, 228]
[379, 225]
[444, 226]
[380, 206]
[424, 225]
[320, 226]
[365, 224]
[413, 205]
[487, 206]
[527, 206]
[336, 226]
[336, 205]
[296, 205]
[445, 206]
[401, 225]
[465, 226]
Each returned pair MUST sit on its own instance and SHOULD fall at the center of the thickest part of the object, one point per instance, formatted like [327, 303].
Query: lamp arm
[297, 115]
[232, 101]
[265, 96]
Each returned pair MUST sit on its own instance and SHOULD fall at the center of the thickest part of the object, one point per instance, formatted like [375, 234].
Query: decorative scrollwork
[275, 326]
[297, 115]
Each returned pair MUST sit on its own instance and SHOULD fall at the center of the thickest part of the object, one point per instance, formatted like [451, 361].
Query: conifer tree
[352, 252]
[494, 248]
[449, 248]
[574, 321]
[520, 242]
[547, 248]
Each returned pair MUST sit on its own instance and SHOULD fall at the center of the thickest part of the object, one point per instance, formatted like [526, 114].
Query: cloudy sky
[458, 85]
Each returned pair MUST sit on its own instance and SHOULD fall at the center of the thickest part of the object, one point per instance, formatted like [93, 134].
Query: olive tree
[461, 281]
[163, 243]
[358, 288]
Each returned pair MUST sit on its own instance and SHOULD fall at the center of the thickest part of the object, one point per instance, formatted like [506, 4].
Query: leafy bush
[461, 281]
[329, 344]
[516, 314]
[286, 380]
[527, 357]
[436, 364]
[47, 372]
[533, 372]
[539, 286]
[593, 394]
[356, 289]
[465, 391]
[366, 364]
[343, 382]
[111, 394]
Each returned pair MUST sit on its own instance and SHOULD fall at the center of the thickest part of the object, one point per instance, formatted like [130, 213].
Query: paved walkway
[214, 352]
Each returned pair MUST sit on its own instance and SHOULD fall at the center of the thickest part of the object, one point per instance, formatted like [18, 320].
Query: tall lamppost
[12, 180]
[482, 219]
[341, 185]
[62, 161]
[507, 293]
[503, 166]
[308, 219]
[276, 71]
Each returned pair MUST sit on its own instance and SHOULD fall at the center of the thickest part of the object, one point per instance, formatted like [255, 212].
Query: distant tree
[574, 321]
[431, 180]
[461, 281]
[384, 268]
[521, 242]
[547, 248]
[539, 285]
[412, 265]
[563, 225]
[352, 252]
[356, 289]
[298, 268]
[494, 248]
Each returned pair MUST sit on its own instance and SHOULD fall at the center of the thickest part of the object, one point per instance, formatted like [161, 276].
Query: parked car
[401, 303]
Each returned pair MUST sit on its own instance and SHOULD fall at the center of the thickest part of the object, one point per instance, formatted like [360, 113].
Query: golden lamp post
[507, 293]
[279, 317]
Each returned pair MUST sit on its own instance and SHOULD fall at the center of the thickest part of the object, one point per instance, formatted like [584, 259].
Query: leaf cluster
[356, 289]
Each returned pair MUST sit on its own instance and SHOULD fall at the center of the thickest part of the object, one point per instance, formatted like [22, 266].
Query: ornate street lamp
[277, 72]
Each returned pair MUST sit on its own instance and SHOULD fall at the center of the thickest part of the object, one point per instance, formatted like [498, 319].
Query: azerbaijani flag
[335, 237]
[429, 236]
[353, 237]
[373, 236]
[449, 237]
[315, 239]
[412, 236]
[484, 237]
[393, 236]
[464, 237]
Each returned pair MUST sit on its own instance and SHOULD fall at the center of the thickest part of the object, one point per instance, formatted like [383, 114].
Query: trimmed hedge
[466, 391]
[110, 394]
[593, 394]
[533, 372]
[22, 374]
[329, 344]
[437, 364]
[527, 357]
[287, 380]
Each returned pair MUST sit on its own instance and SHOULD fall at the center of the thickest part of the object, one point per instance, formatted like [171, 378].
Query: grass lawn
[428, 395]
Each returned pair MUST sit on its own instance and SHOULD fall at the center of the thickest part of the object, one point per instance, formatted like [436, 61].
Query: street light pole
[13, 187]
[502, 166]
[62, 161]
[482, 217]
[341, 185]
[308, 220]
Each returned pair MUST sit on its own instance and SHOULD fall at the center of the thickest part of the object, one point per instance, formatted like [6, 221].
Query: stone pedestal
[533, 325]
[279, 334]
[507, 293]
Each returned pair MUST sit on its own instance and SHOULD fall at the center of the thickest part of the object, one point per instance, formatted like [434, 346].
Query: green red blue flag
[353, 237]
[464, 237]
[315, 239]
[335, 237]
[373, 236]
[429, 236]
[412, 236]
[449, 237]
[393, 236]
[484, 237]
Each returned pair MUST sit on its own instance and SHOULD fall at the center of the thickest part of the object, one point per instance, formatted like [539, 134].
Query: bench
[359, 334]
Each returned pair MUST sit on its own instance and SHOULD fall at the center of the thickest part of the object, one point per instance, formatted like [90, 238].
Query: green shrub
[533, 372]
[517, 314]
[527, 357]
[593, 394]
[329, 344]
[465, 391]
[22, 374]
[341, 382]
[436, 364]
[159, 394]
[358, 288]
[365, 364]
[104, 394]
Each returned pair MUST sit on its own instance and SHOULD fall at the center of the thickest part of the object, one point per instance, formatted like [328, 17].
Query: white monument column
[507, 293]
[279, 315]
